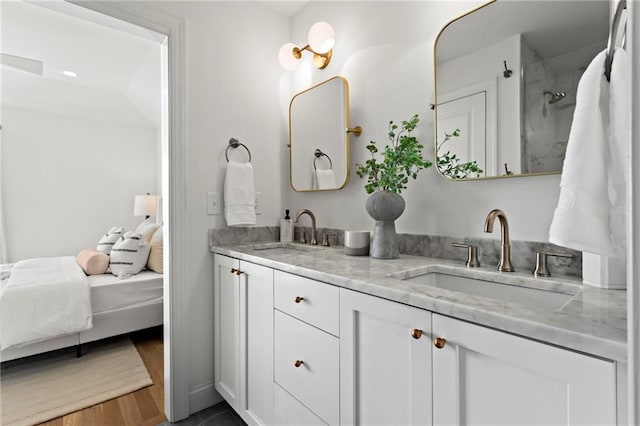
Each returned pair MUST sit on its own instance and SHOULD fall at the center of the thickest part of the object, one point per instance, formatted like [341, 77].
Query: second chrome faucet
[505, 252]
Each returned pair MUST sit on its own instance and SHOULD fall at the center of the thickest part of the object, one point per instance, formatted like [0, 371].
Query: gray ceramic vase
[385, 207]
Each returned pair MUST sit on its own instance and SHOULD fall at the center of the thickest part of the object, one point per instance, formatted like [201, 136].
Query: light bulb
[287, 60]
[322, 37]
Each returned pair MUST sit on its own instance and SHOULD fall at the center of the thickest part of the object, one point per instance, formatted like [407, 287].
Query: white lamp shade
[322, 37]
[145, 205]
[287, 60]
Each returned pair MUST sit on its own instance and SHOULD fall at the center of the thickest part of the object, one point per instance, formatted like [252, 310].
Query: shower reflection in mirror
[522, 120]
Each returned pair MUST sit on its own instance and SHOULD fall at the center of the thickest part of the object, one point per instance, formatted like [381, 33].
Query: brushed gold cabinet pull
[298, 363]
[299, 299]
[439, 342]
[416, 333]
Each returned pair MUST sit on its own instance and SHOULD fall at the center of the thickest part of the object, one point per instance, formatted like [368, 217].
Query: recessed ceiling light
[69, 73]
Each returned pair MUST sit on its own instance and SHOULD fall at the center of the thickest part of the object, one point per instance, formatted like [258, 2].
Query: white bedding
[43, 298]
[108, 293]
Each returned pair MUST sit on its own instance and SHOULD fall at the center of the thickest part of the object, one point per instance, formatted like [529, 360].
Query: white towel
[591, 166]
[239, 195]
[324, 179]
[619, 136]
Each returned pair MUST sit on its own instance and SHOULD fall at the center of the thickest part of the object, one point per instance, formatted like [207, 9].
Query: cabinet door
[256, 344]
[227, 329]
[385, 371]
[486, 377]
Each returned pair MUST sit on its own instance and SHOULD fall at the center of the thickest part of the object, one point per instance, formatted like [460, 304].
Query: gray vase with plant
[386, 178]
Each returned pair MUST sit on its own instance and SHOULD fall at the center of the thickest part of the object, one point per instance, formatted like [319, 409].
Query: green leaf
[391, 168]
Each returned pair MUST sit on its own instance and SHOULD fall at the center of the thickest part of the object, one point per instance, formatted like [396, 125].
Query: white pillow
[146, 229]
[109, 239]
[129, 255]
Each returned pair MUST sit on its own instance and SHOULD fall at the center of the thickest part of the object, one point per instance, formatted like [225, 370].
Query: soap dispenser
[286, 234]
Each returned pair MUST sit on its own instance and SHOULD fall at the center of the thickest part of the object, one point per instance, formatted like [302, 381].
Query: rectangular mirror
[319, 137]
[506, 76]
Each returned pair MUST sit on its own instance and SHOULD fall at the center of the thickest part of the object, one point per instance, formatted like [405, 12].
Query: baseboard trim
[203, 397]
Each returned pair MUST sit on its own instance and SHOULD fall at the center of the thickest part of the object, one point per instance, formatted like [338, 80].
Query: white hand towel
[581, 220]
[619, 136]
[239, 195]
[325, 179]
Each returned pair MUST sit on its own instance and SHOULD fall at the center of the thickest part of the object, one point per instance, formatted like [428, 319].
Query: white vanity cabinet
[294, 351]
[483, 376]
[243, 341]
[385, 362]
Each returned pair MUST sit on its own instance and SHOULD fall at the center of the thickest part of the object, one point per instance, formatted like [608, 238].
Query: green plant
[400, 161]
[450, 165]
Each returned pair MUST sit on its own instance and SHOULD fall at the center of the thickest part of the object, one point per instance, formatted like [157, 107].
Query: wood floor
[143, 407]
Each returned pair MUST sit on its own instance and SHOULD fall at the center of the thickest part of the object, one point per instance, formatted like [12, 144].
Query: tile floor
[219, 415]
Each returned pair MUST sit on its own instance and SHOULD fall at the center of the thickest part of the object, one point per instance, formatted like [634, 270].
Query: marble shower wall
[523, 253]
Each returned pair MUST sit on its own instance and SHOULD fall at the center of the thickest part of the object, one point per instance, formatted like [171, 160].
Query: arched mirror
[506, 80]
[319, 136]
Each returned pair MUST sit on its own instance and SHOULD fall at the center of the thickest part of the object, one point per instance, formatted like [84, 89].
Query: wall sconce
[145, 205]
[321, 40]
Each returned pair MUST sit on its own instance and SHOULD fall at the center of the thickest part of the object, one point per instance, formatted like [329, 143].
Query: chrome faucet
[313, 224]
[505, 255]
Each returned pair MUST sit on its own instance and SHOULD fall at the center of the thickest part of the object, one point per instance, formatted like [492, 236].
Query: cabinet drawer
[311, 301]
[289, 411]
[315, 381]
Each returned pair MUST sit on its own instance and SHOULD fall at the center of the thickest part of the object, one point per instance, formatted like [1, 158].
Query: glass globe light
[322, 37]
[286, 57]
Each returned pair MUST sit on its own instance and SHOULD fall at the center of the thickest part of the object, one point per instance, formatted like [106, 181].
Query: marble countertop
[591, 320]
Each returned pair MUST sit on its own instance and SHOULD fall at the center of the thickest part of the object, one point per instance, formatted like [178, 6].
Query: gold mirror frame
[305, 150]
[517, 73]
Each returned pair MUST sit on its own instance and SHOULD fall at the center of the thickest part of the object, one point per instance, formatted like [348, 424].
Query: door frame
[176, 330]
[490, 88]
[633, 233]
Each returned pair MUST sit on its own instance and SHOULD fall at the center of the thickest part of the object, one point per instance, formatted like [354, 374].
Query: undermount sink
[534, 297]
[284, 248]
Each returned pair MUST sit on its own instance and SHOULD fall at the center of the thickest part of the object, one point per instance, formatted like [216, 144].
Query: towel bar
[615, 36]
[234, 143]
[319, 154]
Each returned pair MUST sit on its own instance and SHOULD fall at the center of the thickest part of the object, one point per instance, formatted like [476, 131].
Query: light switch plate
[214, 203]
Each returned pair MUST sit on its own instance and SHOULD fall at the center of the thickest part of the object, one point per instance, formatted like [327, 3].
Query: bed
[118, 306]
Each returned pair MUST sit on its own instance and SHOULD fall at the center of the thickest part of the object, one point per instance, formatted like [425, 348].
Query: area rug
[43, 387]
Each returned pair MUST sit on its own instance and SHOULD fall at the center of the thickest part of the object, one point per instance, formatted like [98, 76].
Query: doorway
[168, 32]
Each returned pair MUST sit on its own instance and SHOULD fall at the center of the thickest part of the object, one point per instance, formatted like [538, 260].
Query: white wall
[232, 90]
[385, 50]
[67, 180]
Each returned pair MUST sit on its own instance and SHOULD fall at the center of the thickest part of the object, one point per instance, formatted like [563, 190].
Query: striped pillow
[109, 239]
[129, 255]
